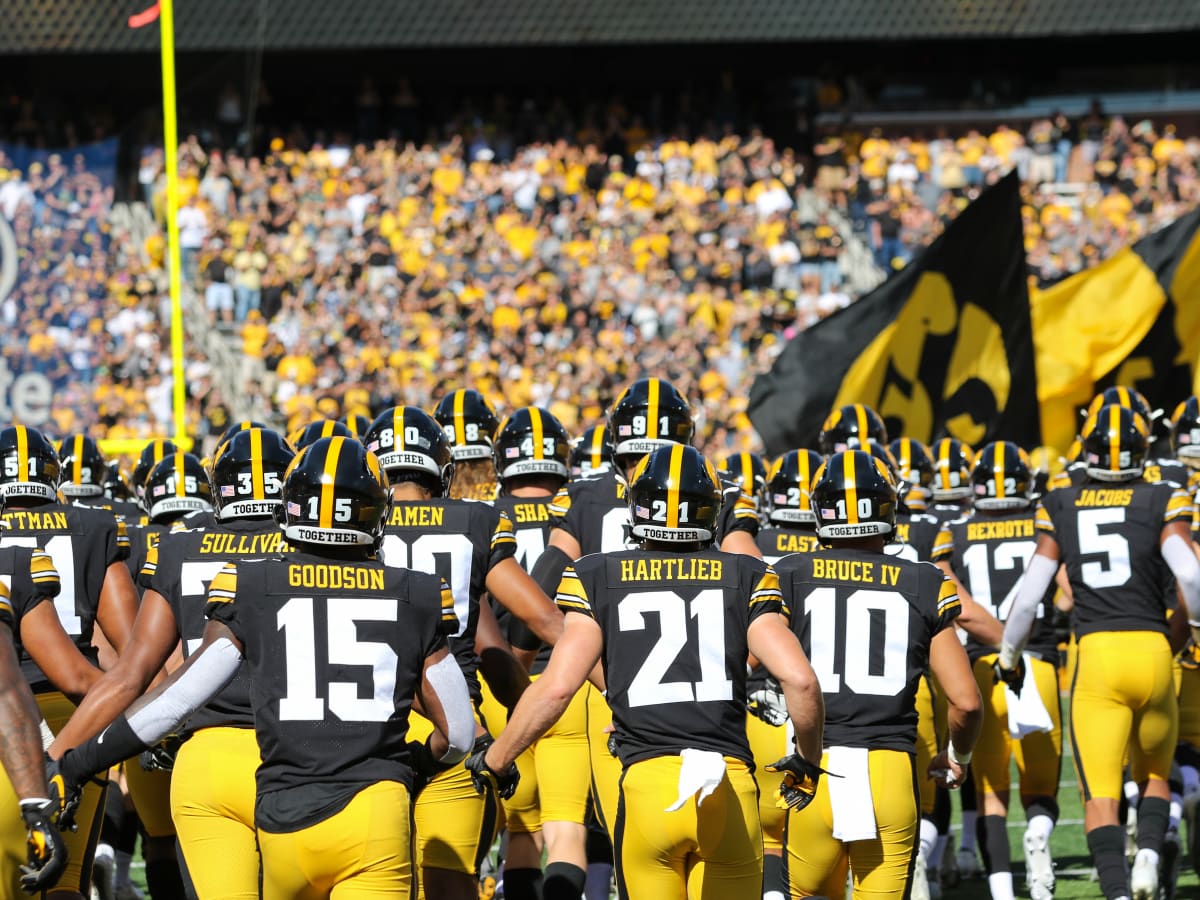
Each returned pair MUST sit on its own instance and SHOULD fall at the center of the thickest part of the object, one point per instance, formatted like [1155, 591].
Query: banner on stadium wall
[943, 347]
[54, 211]
[1133, 320]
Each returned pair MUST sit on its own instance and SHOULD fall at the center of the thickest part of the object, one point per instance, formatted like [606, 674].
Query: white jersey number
[855, 637]
[447, 555]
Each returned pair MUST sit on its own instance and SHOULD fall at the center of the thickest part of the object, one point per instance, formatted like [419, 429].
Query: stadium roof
[100, 25]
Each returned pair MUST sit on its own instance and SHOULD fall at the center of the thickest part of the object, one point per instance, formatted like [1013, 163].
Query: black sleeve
[520, 636]
[547, 572]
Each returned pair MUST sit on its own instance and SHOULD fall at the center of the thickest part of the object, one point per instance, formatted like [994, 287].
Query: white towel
[700, 773]
[850, 795]
[1027, 714]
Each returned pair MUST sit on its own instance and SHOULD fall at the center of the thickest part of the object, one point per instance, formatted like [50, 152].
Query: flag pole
[174, 257]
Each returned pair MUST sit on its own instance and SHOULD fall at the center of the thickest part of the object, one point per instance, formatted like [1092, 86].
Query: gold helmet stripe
[398, 428]
[1114, 437]
[22, 453]
[257, 479]
[652, 409]
[535, 420]
[673, 476]
[860, 414]
[325, 509]
[1000, 461]
[849, 461]
[597, 453]
[460, 436]
[180, 479]
[77, 462]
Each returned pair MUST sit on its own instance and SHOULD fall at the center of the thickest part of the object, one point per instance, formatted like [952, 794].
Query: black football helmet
[314, 431]
[848, 428]
[854, 496]
[152, 454]
[469, 423]
[335, 494]
[247, 475]
[591, 452]
[789, 488]
[1002, 477]
[675, 496]
[1115, 443]
[29, 466]
[1185, 433]
[116, 487]
[83, 467]
[747, 470]
[532, 441]
[358, 425]
[178, 485]
[914, 467]
[411, 446]
[649, 414]
[244, 425]
[1122, 396]
[952, 461]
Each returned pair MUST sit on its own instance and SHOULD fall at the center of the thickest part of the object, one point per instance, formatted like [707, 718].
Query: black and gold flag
[1133, 320]
[942, 347]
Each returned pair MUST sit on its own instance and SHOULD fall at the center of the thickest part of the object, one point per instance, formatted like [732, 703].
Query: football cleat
[1039, 867]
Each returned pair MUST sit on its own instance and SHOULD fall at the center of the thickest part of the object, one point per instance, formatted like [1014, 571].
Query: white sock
[1176, 812]
[1147, 854]
[1132, 794]
[928, 838]
[1041, 826]
[774, 895]
[939, 850]
[1001, 885]
[1191, 780]
[966, 840]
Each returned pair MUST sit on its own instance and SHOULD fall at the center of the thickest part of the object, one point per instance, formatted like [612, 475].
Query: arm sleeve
[521, 636]
[1184, 566]
[1038, 577]
[548, 570]
[446, 680]
[943, 545]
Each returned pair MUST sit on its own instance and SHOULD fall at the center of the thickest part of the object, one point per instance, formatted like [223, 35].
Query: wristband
[962, 760]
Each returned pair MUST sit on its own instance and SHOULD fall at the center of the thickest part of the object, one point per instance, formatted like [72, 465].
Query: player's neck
[660, 547]
[873, 544]
[408, 492]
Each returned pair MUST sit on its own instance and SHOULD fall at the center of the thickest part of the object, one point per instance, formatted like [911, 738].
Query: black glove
[161, 757]
[425, 765]
[611, 743]
[47, 852]
[1013, 677]
[800, 779]
[503, 784]
[65, 795]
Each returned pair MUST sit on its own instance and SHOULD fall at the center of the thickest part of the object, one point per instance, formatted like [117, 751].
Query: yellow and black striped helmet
[83, 467]
[116, 484]
[914, 467]
[789, 488]
[178, 485]
[1122, 396]
[335, 494]
[29, 466]
[469, 423]
[314, 431]
[1185, 432]
[1115, 443]
[411, 446]
[952, 462]
[152, 454]
[1002, 477]
[747, 470]
[247, 475]
[532, 441]
[675, 497]
[244, 425]
[848, 428]
[358, 425]
[649, 414]
[854, 496]
[591, 452]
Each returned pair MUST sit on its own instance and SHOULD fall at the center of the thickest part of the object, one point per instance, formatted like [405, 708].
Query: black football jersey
[776, 543]
[1173, 472]
[866, 621]
[988, 554]
[30, 578]
[944, 512]
[110, 507]
[180, 567]
[462, 541]
[1108, 538]
[334, 650]
[531, 521]
[83, 543]
[595, 512]
[916, 534]
[675, 648]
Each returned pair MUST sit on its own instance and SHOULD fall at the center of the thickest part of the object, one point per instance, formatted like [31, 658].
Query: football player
[81, 482]
[951, 487]
[97, 601]
[332, 808]
[986, 552]
[849, 427]
[914, 467]
[791, 523]
[591, 452]
[214, 817]
[152, 454]
[551, 800]
[470, 424]
[748, 471]
[592, 516]
[1118, 536]
[904, 611]
[314, 431]
[677, 609]
[473, 547]
[357, 424]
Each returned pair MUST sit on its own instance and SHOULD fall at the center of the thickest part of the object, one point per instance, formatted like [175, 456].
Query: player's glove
[768, 703]
[47, 851]
[1013, 677]
[425, 765]
[613, 750]
[64, 795]
[485, 778]
[161, 757]
[800, 779]
[1189, 656]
